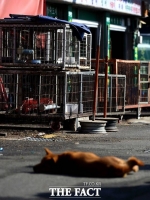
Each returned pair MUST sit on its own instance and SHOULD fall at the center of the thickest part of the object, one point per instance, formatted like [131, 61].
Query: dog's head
[47, 164]
[134, 163]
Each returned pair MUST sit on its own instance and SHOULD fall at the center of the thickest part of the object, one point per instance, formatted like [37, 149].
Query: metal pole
[96, 72]
[65, 75]
[17, 91]
[106, 86]
[14, 45]
[40, 85]
[64, 47]
[81, 86]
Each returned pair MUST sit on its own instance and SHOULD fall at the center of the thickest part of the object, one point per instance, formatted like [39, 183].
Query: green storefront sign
[108, 36]
[51, 11]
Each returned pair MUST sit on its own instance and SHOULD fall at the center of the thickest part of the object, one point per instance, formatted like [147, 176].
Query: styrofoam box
[73, 108]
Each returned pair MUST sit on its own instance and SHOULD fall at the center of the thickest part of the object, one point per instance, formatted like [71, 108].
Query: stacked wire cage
[36, 57]
[25, 43]
[46, 71]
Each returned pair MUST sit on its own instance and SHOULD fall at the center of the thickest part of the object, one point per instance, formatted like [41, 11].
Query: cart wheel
[55, 126]
[70, 124]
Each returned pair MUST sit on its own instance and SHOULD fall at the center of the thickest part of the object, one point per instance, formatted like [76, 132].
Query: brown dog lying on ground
[86, 164]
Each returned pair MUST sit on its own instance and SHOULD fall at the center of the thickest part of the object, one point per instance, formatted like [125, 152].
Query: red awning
[27, 7]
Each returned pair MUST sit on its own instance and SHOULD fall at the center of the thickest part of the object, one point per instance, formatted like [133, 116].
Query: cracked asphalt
[19, 155]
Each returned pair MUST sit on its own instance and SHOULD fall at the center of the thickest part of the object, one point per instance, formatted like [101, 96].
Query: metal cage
[63, 95]
[46, 45]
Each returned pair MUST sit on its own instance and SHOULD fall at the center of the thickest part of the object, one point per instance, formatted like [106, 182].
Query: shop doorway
[117, 44]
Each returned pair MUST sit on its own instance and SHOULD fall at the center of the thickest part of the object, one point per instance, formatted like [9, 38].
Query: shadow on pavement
[145, 167]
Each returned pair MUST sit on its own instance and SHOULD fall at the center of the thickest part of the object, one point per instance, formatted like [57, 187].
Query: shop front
[119, 25]
[116, 17]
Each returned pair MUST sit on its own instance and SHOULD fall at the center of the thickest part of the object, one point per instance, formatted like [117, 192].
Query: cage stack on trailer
[45, 72]
[42, 61]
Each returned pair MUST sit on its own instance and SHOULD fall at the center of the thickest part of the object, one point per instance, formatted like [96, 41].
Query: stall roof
[78, 28]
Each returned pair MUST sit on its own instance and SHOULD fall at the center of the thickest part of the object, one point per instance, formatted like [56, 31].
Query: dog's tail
[48, 152]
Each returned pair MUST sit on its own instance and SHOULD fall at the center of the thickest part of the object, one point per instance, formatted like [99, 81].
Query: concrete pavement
[18, 182]
[142, 120]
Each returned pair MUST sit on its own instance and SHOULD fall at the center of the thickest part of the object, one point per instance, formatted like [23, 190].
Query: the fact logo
[88, 190]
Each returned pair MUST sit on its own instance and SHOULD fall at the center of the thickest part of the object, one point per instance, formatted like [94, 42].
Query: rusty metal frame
[127, 67]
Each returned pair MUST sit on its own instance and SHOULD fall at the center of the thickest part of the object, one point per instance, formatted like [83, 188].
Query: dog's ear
[134, 161]
[47, 151]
